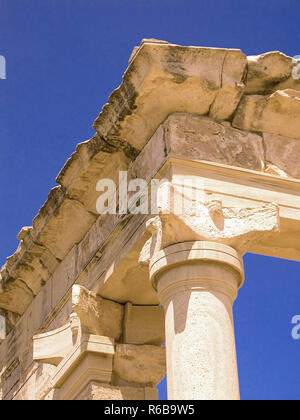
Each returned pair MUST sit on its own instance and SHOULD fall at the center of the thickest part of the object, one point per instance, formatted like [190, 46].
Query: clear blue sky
[64, 58]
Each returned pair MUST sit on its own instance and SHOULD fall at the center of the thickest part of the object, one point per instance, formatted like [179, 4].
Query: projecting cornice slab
[163, 78]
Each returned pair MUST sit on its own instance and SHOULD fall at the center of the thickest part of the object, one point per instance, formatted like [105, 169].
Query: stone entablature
[229, 122]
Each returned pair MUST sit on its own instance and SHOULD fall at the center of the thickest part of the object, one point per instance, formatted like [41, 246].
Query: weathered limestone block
[97, 391]
[283, 152]
[151, 157]
[144, 325]
[54, 199]
[140, 364]
[278, 113]
[39, 309]
[164, 78]
[201, 138]
[232, 87]
[15, 295]
[266, 71]
[66, 227]
[91, 315]
[92, 161]
[64, 276]
[94, 239]
[30, 266]
[97, 315]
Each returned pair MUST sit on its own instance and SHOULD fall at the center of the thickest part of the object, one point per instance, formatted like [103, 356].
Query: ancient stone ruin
[88, 300]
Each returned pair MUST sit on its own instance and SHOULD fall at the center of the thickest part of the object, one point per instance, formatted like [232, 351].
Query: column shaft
[197, 283]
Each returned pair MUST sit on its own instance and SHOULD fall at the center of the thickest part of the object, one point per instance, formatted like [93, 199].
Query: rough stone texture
[98, 316]
[64, 276]
[267, 71]
[25, 273]
[231, 89]
[97, 391]
[63, 229]
[278, 113]
[92, 161]
[12, 288]
[201, 79]
[140, 364]
[205, 139]
[144, 325]
[283, 152]
[31, 263]
[209, 221]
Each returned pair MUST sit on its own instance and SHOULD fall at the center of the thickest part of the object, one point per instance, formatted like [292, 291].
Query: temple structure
[88, 300]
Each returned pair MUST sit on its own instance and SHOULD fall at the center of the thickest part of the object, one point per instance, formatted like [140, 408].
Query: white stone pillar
[197, 283]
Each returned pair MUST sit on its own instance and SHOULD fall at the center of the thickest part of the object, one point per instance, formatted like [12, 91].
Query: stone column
[195, 263]
[197, 283]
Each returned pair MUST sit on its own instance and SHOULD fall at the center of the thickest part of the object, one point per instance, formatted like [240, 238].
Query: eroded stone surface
[98, 316]
[140, 364]
[208, 221]
[232, 87]
[283, 152]
[278, 113]
[144, 325]
[205, 139]
[267, 71]
[97, 391]
[93, 160]
[12, 288]
[66, 227]
[30, 267]
[200, 79]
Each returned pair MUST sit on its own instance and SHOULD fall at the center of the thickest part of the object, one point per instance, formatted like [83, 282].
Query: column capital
[209, 221]
[196, 252]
